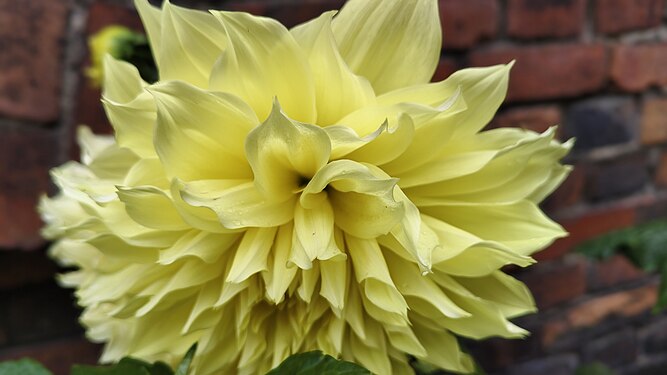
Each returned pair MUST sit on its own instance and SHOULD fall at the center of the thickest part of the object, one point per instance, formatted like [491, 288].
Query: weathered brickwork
[596, 68]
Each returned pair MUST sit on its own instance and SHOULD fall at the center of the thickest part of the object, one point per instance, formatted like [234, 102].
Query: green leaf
[184, 366]
[126, 366]
[317, 363]
[644, 245]
[595, 368]
[23, 366]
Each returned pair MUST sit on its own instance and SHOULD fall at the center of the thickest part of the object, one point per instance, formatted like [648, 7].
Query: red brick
[556, 282]
[31, 41]
[464, 23]
[615, 16]
[661, 171]
[635, 68]
[535, 118]
[528, 19]
[549, 71]
[588, 226]
[611, 272]
[26, 154]
[569, 193]
[102, 14]
[624, 303]
[590, 313]
[445, 68]
[654, 121]
[58, 355]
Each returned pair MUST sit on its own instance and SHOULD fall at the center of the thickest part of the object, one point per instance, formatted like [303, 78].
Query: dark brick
[661, 171]
[617, 178]
[536, 118]
[527, 19]
[40, 312]
[615, 16]
[549, 71]
[555, 282]
[465, 23]
[615, 349]
[653, 337]
[564, 364]
[647, 366]
[601, 122]
[56, 355]
[31, 33]
[611, 272]
[18, 268]
[635, 68]
[27, 153]
[299, 12]
[569, 193]
[445, 68]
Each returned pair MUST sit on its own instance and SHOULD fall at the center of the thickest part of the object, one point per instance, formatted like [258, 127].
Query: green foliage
[23, 366]
[595, 368]
[644, 245]
[317, 363]
[131, 366]
[134, 48]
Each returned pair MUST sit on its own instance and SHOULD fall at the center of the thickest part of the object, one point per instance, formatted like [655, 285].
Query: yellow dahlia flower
[279, 191]
[108, 40]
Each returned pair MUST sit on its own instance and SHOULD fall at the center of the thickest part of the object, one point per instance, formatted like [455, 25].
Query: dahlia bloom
[279, 191]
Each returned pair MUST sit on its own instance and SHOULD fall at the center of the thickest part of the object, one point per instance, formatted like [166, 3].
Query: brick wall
[598, 67]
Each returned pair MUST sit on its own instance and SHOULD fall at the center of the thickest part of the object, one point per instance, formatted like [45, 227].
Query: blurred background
[597, 67]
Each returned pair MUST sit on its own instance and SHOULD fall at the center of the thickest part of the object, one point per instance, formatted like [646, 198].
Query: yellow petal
[252, 254]
[483, 89]
[284, 153]
[338, 90]
[521, 226]
[191, 41]
[371, 271]
[313, 231]
[238, 205]
[151, 207]
[195, 127]
[363, 203]
[131, 110]
[262, 62]
[151, 18]
[278, 276]
[392, 43]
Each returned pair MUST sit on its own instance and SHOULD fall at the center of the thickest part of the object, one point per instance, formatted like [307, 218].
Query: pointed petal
[483, 89]
[238, 204]
[199, 134]
[278, 276]
[129, 108]
[151, 18]
[392, 43]
[521, 226]
[252, 254]
[283, 152]
[151, 207]
[190, 43]
[261, 62]
[338, 90]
